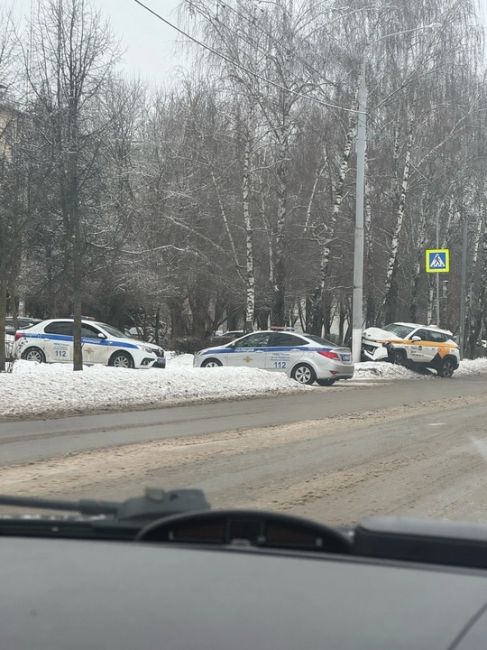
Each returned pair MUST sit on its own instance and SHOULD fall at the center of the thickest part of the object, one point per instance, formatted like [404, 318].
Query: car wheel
[303, 374]
[325, 382]
[211, 363]
[121, 360]
[400, 357]
[447, 368]
[34, 354]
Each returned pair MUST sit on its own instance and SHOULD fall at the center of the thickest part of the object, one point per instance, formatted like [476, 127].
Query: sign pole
[438, 299]
[438, 261]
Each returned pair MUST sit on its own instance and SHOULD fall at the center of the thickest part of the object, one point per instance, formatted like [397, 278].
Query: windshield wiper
[154, 504]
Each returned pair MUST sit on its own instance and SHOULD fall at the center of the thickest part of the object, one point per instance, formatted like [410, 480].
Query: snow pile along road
[472, 367]
[383, 370]
[38, 389]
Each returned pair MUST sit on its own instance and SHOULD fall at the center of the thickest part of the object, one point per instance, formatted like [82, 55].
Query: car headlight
[146, 348]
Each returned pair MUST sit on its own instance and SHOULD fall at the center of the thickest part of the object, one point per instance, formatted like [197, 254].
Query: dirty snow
[175, 359]
[472, 367]
[384, 370]
[35, 390]
[40, 389]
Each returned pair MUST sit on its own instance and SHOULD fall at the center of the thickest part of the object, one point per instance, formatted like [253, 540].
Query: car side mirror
[100, 335]
[416, 338]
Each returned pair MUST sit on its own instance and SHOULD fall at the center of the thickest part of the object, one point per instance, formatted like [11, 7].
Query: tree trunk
[330, 227]
[342, 316]
[176, 314]
[370, 307]
[314, 312]
[249, 240]
[390, 289]
[473, 276]
[327, 238]
[279, 287]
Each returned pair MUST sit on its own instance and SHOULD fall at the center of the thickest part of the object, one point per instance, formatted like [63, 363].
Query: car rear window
[282, 339]
[320, 341]
[65, 328]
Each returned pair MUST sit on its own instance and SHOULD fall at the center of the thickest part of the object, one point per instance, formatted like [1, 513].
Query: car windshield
[259, 211]
[399, 330]
[113, 331]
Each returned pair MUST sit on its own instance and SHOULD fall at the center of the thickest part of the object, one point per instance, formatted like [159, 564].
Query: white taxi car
[51, 341]
[413, 345]
[304, 357]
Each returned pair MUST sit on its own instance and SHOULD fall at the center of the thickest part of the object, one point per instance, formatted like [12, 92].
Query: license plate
[346, 357]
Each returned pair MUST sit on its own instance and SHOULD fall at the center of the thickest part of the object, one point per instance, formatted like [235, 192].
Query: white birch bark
[249, 241]
[401, 208]
[226, 225]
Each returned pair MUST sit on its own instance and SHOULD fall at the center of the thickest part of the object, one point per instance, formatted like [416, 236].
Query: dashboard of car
[57, 594]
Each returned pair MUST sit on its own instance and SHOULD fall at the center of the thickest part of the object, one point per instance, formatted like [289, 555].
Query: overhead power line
[239, 65]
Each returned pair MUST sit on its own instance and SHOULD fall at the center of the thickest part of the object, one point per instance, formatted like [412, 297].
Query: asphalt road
[411, 447]
[33, 440]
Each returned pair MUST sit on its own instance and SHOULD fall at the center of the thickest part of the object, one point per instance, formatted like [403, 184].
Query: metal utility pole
[463, 284]
[358, 249]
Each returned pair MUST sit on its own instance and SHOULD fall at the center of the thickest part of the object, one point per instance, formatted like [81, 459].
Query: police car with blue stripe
[304, 357]
[51, 341]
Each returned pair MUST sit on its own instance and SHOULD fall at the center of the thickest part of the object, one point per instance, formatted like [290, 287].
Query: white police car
[304, 357]
[51, 341]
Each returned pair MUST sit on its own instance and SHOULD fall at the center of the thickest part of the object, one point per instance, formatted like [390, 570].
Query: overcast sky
[151, 47]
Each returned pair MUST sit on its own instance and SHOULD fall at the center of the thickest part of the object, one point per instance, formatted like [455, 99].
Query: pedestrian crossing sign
[438, 260]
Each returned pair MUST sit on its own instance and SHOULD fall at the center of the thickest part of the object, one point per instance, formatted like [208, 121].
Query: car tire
[121, 360]
[34, 354]
[447, 368]
[325, 382]
[211, 363]
[303, 374]
[400, 358]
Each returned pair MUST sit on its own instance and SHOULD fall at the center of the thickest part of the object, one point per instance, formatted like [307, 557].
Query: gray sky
[152, 49]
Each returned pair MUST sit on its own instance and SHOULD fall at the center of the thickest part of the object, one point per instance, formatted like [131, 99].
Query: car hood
[214, 348]
[135, 342]
[378, 334]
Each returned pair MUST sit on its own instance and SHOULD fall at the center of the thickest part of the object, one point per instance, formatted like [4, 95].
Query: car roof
[58, 594]
[67, 320]
[426, 327]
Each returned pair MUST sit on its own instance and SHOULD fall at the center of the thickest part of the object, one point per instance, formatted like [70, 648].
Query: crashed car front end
[374, 344]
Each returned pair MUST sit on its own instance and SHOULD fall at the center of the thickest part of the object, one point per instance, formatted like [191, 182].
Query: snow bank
[51, 389]
[175, 359]
[472, 367]
[383, 370]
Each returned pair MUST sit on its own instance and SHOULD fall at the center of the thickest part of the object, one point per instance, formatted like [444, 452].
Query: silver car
[304, 357]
